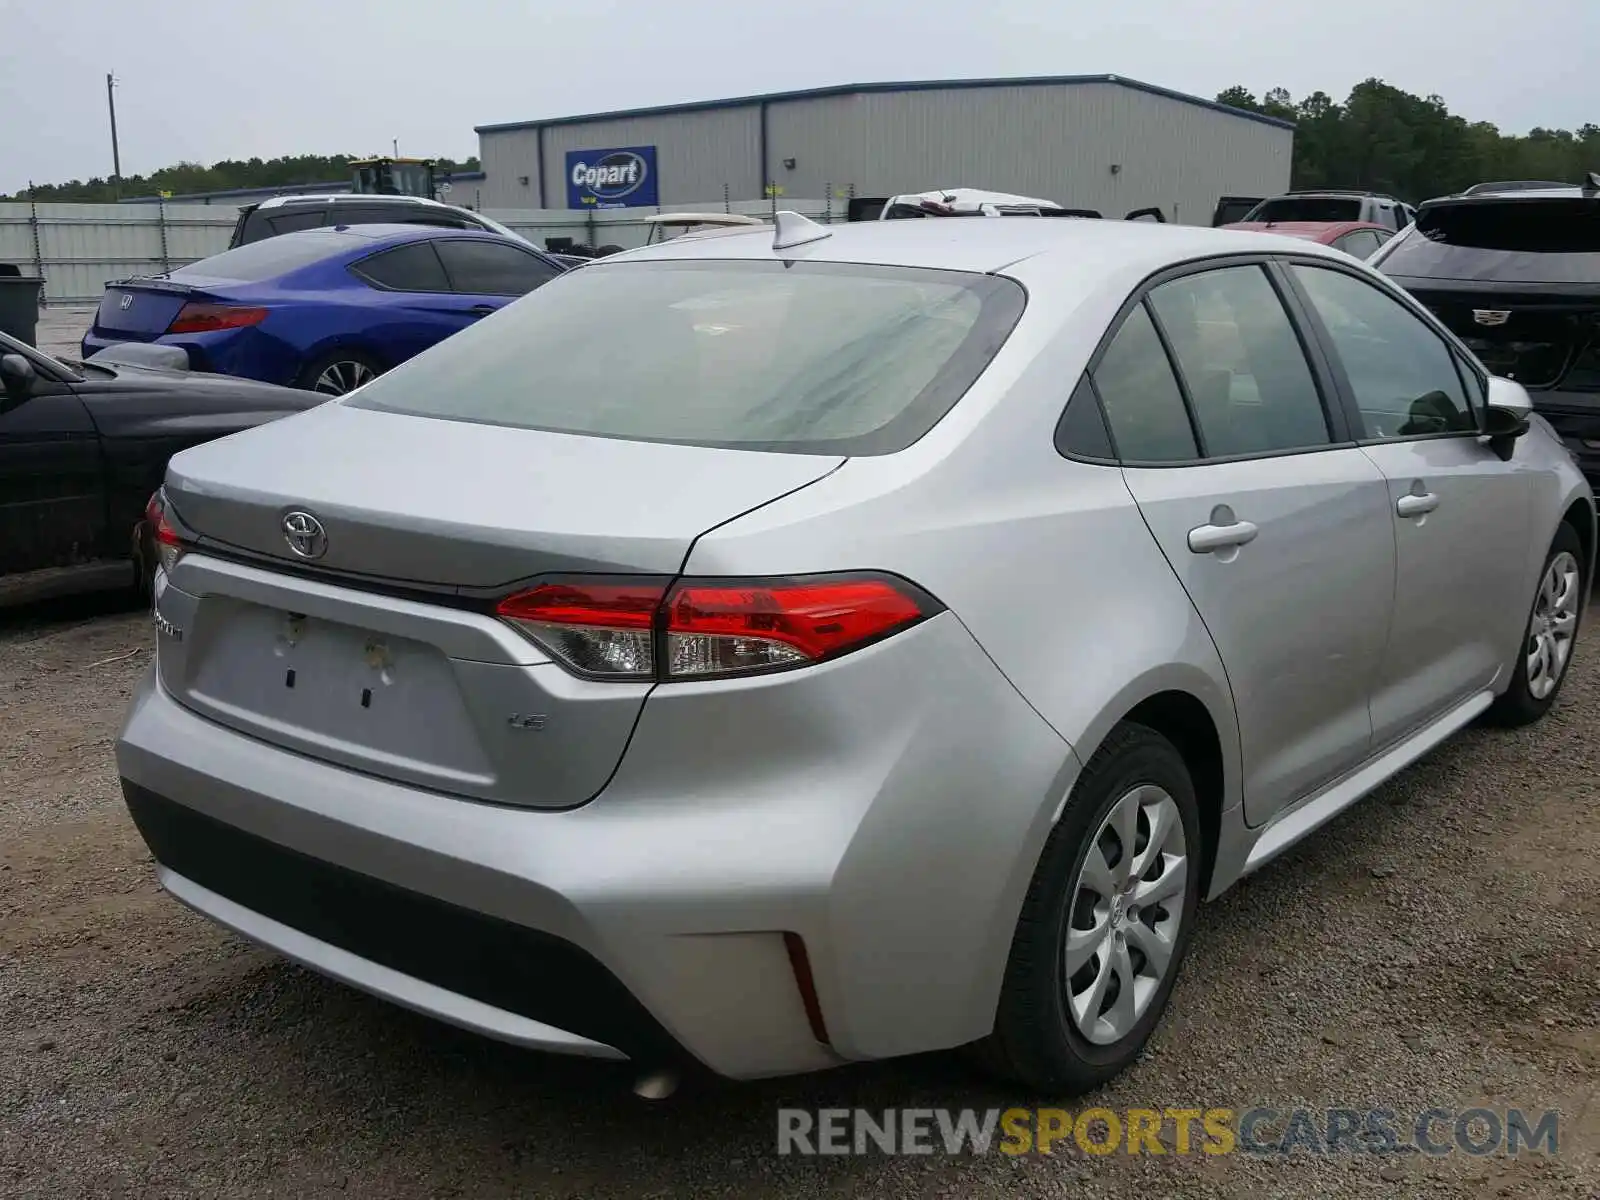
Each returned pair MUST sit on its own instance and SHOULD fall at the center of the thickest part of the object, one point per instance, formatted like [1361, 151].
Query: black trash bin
[19, 303]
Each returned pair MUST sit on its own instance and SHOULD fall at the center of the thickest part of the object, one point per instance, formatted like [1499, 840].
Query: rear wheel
[338, 372]
[1549, 638]
[1106, 921]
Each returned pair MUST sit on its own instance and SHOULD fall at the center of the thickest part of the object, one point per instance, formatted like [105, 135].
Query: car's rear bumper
[887, 811]
[247, 353]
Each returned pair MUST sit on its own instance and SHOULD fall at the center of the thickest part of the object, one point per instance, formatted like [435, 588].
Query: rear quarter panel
[1045, 561]
[388, 327]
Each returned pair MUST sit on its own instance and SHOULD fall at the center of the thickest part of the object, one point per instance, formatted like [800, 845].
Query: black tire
[1518, 705]
[314, 369]
[1035, 1042]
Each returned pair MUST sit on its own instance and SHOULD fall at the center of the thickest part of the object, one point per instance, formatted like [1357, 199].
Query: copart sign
[624, 177]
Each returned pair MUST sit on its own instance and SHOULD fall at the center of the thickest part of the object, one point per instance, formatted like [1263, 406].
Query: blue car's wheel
[338, 372]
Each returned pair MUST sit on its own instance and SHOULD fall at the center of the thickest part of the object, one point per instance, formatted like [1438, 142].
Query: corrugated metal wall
[1058, 141]
[506, 159]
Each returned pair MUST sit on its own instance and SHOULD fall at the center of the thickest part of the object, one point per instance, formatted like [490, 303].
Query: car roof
[1512, 196]
[367, 237]
[1095, 248]
[352, 198]
[1346, 193]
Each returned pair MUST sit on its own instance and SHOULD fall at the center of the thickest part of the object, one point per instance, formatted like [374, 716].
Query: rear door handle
[1416, 504]
[1207, 539]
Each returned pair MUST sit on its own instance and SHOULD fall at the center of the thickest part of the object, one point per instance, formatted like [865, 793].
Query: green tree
[186, 177]
[1386, 139]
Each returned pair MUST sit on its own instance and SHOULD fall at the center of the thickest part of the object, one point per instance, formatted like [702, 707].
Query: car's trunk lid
[141, 309]
[383, 654]
[1517, 277]
[1541, 340]
[466, 506]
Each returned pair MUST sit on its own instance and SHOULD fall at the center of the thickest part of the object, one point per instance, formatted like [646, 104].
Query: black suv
[1516, 275]
[287, 214]
[1332, 204]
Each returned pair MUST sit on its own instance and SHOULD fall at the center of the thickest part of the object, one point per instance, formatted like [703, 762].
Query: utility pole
[116, 153]
[396, 144]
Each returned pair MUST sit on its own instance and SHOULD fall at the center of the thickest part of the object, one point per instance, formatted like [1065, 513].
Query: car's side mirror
[1505, 417]
[18, 375]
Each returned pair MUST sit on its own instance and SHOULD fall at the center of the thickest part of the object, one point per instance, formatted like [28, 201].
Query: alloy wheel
[1123, 914]
[341, 377]
[1553, 625]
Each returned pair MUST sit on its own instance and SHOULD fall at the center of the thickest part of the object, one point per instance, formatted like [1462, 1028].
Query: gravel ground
[1436, 946]
[61, 329]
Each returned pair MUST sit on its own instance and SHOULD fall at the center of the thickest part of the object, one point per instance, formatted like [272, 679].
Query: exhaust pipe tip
[657, 1085]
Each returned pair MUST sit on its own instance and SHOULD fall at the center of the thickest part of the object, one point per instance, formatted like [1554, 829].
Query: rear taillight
[170, 545]
[648, 629]
[195, 317]
[600, 629]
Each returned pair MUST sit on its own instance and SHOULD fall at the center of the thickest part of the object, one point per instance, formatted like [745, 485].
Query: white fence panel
[78, 248]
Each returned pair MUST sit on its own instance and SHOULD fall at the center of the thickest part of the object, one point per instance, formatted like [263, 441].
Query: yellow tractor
[395, 177]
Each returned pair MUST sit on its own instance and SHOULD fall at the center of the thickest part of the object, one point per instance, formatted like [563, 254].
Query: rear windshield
[267, 258]
[1307, 208]
[1511, 241]
[821, 358]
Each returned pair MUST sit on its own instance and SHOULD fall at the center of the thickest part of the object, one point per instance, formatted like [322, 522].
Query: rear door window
[1239, 356]
[483, 268]
[411, 268]
[1308, 208]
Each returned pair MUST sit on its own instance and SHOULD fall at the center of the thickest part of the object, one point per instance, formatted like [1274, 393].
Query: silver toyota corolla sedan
[800, 646]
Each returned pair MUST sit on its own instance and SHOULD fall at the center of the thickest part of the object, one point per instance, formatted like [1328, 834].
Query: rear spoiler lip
[155, 284]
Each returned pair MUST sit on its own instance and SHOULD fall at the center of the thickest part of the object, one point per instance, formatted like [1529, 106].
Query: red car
[1360, 239]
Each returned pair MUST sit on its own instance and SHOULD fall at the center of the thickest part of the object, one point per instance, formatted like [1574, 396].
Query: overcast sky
[217, 79]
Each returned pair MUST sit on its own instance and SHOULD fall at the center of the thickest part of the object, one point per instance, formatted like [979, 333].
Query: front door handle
[1416, 504]
[1208, 539]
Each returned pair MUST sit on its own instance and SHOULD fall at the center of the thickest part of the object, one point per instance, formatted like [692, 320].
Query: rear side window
[819, 358]
[1143, 404]
[1247, 376]
[376, 214]
[1360, 244]
[1308, 208]
[412, 268]
[290, 222]
[1505, 241]
[1082, 431]
[492, 268]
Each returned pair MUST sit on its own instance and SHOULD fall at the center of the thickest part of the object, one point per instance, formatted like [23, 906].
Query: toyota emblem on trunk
[305, 534]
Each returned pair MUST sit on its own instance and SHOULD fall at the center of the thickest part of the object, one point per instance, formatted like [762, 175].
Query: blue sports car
[323, 309]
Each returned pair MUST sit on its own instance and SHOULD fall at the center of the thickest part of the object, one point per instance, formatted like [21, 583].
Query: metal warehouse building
[1095, 141]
